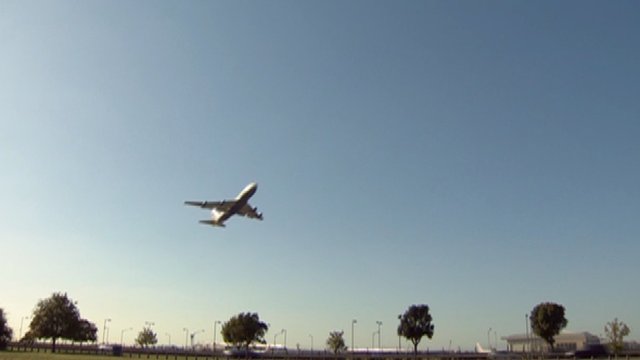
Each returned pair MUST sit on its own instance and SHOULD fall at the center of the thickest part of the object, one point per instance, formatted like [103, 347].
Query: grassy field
[20, 355]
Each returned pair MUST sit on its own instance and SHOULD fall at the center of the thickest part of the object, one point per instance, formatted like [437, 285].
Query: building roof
[563, 336]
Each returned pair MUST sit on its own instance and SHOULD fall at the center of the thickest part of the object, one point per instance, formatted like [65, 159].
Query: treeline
[58, 317]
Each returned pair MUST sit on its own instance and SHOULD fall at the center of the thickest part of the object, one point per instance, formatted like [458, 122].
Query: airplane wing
[218, 205]
[250, 212]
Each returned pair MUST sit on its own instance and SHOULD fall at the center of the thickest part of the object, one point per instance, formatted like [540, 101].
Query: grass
[27, 355]
[21, 355]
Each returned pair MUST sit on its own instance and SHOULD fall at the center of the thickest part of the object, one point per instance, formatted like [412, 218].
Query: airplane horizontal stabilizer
[212, 223]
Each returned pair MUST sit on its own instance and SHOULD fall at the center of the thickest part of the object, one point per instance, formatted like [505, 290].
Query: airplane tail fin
[480, 350]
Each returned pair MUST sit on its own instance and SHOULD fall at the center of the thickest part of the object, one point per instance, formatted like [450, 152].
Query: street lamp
[373, 340]
[399, 344]
[193, 335]
[274, 339]
[379, 336]
[284, 331]
[526, 328]
[122, 335]
[489, 338]
[21, 320]
[186, 337]
[104, 329]
[214, 334]
[353, 322]
[311, 336]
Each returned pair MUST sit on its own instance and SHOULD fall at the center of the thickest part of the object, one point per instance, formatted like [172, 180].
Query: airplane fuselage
[223, 210]
[241, 200]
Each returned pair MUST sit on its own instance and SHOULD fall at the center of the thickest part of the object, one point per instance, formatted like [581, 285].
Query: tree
[616, 331]
[146, 337]
[5, 331]
[335, 342]
[58, 318]
[547, 319]
[244, 329]
[416, 323]
[85, 331]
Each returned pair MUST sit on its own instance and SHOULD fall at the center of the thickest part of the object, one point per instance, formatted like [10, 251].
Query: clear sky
[478, 157]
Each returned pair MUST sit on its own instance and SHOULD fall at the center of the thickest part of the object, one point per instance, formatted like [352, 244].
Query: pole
[311, 336]
[353, 322]
[379, 334]
[104, 329]
[214, 334]
[528, 343]
[489, 338]
[186, 337]
[399, 344]
[21, 321]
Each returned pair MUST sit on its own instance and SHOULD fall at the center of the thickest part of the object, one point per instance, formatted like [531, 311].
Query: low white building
[566, 341]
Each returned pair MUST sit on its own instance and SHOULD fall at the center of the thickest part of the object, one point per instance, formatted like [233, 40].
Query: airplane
[480, 350]
[223, 210]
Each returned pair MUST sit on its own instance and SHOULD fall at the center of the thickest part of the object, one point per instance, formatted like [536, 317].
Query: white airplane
[480, 350]
[223, 210]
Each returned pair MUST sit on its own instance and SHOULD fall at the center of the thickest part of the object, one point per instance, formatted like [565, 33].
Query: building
[566, 341]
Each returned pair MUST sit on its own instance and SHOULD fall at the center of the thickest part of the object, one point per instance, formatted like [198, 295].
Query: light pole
[21, 321]
[489, 338]
[274, 339]
[186, 337]
[311, 336]
[122, 335]
[379, 336]
[169, 336]
[353, 322]
[399, 344]
[104, 329]
[526, 327]
[215, 332]
[284, 331]
[373, 340]
[495, 337]
[193, 335]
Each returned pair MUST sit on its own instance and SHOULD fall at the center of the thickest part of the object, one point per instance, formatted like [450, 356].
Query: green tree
[335, 342]
[58, 317]
[547, 319]
[416, 323]
[616, 330]
[5, 331]
[85, 330]
[146, 337]
[244, 329]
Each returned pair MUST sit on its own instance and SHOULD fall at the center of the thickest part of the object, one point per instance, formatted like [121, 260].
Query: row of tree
[57, 317]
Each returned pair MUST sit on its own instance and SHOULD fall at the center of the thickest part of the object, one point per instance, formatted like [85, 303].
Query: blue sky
[479, 157]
